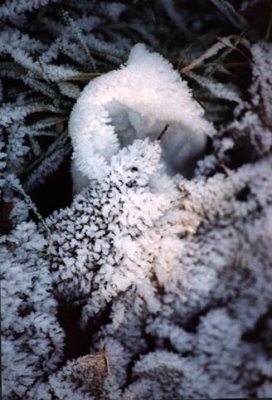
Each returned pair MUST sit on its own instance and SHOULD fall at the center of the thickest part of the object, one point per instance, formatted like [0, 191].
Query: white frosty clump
[144, 98]
[95, 249]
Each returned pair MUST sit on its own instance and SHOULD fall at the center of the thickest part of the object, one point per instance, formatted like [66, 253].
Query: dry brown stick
[163, 132]
[84, 76]
[213, 50]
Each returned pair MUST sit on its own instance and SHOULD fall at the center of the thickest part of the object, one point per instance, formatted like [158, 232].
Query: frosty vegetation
[152, 279]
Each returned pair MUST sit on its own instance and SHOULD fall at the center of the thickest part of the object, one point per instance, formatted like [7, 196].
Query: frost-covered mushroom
[144, 98]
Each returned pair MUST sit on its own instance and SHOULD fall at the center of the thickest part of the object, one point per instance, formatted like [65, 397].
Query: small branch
[214, 49]
[84, 76]
[224, 168]
[163, 132]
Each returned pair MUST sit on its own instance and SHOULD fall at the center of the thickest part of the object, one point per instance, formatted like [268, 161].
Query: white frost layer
[139, 100]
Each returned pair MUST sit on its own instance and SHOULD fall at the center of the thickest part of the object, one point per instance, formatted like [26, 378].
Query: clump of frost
[144, 98]
[32, 340]
[94, 249]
